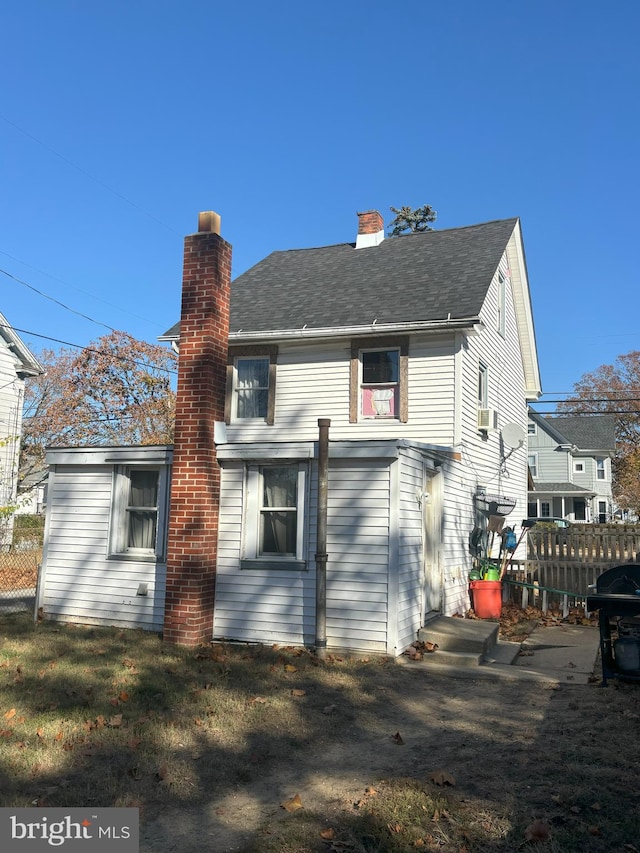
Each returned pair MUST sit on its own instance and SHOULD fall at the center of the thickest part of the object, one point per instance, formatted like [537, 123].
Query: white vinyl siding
[313, 382]
[410, 561]
[79, 582]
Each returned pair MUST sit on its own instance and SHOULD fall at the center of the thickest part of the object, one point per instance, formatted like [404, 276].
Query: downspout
[321, 556]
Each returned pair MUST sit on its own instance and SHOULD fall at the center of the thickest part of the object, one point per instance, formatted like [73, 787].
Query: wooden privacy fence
[569, 560]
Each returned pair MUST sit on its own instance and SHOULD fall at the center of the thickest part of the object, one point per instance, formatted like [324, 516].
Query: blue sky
[120, 121]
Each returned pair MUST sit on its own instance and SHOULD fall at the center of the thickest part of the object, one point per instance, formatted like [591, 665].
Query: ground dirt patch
[229, 748]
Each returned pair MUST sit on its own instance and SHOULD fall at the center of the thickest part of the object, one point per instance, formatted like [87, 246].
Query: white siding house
[17, 364]
[403, 344]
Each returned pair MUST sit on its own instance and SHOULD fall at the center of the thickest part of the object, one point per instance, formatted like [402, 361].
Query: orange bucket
[486, 598]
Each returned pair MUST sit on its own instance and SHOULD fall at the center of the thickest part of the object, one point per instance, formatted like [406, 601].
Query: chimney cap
[209, 221]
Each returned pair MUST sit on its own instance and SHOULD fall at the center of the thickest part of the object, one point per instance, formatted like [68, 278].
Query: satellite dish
[513, 436]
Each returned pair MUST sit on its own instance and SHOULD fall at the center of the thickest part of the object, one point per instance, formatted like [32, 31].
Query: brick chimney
[195, 481]
[370, 229]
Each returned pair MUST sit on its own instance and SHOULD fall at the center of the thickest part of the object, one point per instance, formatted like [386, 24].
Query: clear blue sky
[120, 121]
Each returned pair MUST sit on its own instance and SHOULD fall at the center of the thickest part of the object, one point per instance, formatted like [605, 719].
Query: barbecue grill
[616, 597]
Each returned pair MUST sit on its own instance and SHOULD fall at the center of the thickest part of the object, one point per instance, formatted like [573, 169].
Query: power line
[67, 284]
[57, 301]
[88, 174]
[93, 349]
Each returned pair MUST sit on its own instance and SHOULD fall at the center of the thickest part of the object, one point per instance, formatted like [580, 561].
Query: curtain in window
[252, 387]
[142, 509]
[278, 521]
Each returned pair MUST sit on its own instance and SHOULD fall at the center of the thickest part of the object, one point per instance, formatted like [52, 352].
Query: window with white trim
[532, 462]
[502, 304]
[601, 470]
[578, 467]
[274, 535]
[139, 512]
[532, 428]
[545, 509]
[483, 386]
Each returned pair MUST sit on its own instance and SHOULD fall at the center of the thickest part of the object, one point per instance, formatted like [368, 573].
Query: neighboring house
[17, 364]
[416, 354]
[570, 464]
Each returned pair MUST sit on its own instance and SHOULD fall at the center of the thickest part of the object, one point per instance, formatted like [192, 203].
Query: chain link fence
[19, 565]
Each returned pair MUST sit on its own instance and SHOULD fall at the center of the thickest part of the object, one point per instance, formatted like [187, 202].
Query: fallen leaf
[397, 739]
[297, 692]
[257, 700]
[327, 834]
[115, 721]
[537, 831]
[442, 778]
[290, 668]
[293, 804]
[59, 736]
[123, 696]
[394, 827]
[40, 732]
[370, 791]
[9, 714]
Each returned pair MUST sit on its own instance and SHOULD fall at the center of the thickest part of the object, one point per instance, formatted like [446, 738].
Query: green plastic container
[492, 575]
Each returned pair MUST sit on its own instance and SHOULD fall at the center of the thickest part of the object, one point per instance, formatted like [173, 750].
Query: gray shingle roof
[560, 488]
[417, 277]
[587, 432]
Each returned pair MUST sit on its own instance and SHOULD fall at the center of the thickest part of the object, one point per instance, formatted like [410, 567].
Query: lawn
[268, 749]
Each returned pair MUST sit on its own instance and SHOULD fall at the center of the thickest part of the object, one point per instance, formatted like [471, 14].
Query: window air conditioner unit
[487, 420]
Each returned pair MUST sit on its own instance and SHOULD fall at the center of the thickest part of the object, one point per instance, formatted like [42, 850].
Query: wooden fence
[571, 559]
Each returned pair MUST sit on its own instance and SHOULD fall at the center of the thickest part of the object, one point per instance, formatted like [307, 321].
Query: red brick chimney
[195, 481]
[370, 229]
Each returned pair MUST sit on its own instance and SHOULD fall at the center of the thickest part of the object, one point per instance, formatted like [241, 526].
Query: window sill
[281, 564]
[136, 558]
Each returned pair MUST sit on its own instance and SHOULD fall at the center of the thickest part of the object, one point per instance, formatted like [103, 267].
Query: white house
[418, 356]
[570, 464]
[17, 364]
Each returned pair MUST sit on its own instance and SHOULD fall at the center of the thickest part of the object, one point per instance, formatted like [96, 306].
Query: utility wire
[88, 174]
[57, 301]
[73, 287]
[92, 349]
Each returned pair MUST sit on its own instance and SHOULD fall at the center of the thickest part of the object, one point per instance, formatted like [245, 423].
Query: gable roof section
[585, 432]
[416, 278]
[26, 362]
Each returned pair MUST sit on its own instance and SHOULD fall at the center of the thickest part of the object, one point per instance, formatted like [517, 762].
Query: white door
[432, 541]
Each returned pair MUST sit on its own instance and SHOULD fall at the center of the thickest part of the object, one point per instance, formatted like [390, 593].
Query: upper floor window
[502, 303]
[380, 383]
[483, 386]
[532, 461]
[601, 471]
[578, 467]
[379, 379]
[532, 428]
[251, 379]
[139, 512]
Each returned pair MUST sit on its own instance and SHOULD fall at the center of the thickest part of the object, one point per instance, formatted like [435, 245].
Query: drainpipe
[321, 556]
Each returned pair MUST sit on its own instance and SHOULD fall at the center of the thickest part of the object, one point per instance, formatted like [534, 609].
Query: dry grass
[19, 569]
[105, 717]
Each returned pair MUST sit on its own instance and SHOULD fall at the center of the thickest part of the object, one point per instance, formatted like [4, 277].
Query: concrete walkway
[561, 654]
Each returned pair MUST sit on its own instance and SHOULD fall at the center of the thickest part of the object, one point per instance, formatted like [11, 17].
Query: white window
[483, 386]
[275, 516]
[532, 428]
[380, 383]
[502, 303]
[251, 388]
[139, 512]
[578, 467]
[532, 461]
[601, 471]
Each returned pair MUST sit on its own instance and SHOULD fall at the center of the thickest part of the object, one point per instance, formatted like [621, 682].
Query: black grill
[616, 597]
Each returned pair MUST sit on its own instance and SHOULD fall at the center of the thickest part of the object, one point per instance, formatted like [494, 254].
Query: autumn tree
[411, 220]
[116, 391]
[615, 389]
